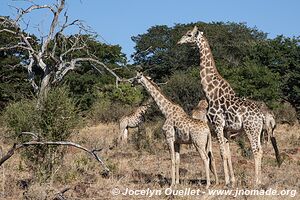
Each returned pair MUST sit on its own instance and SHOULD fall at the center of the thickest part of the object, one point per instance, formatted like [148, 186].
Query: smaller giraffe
[199, 112]
[269, 121]
[180, 129]
[133, 120]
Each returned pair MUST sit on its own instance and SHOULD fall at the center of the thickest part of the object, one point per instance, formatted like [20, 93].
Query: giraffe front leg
[223, 152]
[170, 137]
[177, 161]
[172, 155]
[254, 138]
[229, 162]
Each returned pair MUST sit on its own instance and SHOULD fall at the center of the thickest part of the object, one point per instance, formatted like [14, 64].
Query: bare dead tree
[52, 52]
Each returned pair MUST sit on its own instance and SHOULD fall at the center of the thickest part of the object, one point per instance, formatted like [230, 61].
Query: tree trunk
[44, 89]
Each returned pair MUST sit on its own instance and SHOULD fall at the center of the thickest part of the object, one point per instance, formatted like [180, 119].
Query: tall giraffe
[180, 129]
[200, 112]
[226, 111]
[133, 120]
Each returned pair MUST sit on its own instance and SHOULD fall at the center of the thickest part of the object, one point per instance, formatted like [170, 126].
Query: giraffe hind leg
[254, 138]
[212, 164]
[205, 158]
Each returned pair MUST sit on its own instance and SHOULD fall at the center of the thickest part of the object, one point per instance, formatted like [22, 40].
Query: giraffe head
[191, 36]
[137, 79]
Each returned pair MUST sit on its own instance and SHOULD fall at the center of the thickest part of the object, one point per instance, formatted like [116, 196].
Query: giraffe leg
[172, 155]
[177, 161]
[123, 131]
[225, 163]
[205, 158]
[232, 178]
[254, 138]
[257, 162]
[125, 135]
[223, 150]
[170, 137]
[212, 164]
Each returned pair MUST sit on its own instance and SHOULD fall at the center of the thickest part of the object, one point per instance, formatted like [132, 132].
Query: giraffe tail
[277, 154]
[209, 150]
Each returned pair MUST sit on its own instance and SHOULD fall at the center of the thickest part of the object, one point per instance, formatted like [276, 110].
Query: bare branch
[72, 64]
[15, 147]
[31, 8]
[33, 135]
[17, 46]
[53, 25]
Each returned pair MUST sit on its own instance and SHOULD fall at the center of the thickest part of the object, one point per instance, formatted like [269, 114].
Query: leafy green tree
[13, 79]
[56, 121]
[183, 87]
[257, 67]
[157, 50]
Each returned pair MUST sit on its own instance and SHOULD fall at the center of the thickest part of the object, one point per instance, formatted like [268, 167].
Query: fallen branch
[92, 152]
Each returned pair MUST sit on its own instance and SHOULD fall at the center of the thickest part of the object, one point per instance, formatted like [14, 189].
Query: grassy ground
[145, 163]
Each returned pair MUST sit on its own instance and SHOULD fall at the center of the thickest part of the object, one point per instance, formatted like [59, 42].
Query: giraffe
[133, 120]
[179, 129]
[199, 112]
[226, 111]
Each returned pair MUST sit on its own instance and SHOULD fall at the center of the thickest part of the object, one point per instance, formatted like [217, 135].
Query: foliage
[184, 88]
[111, 103]
[54, 122]
[230, 43]
[254, 81]
[21, 117]
[257, 67]
[13, 79]
[84, 81]
[285, 113]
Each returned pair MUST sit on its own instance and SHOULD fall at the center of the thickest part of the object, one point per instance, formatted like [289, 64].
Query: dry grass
[147, 169]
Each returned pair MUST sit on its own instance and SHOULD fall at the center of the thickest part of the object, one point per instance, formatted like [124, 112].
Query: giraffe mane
[158, 88]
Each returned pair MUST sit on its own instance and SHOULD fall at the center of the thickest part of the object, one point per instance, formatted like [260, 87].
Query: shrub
[20, 117]
[103, 110]
[113, 102]
[285, 113]
[55, 121]
[184, 88]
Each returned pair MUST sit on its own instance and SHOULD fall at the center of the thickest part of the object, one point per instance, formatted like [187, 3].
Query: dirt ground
[80, 177]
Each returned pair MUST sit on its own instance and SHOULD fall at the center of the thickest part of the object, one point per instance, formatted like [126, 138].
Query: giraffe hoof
[228, 186]
[259, 186]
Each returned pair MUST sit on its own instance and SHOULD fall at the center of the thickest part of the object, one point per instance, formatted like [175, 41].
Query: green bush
[113, 102]
[20, 117]
[285, 113]
[184, 88]
[55, 121]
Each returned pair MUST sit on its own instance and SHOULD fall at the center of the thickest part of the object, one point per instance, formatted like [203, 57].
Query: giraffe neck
[210, 77]
[144, 108]
[162, 102]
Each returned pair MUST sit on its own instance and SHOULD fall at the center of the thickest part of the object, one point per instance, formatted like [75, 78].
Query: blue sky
[117, 20]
